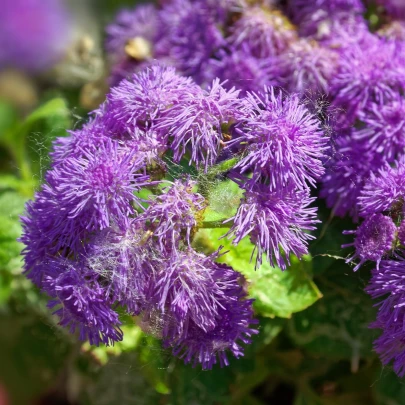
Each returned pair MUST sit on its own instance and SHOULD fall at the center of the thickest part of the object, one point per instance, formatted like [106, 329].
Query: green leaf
[337, 326]
[277, 293]
[388, 388]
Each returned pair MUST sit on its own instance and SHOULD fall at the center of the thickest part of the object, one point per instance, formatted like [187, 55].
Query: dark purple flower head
[241, 70]
[192, 35]
[233, 324]
[195, 123]
[347, 170]
[401, 233]
[283, 141]
[266, 32]
[97, 189]
[277, 223]
[384, 130]
[34, 34]
[384, 191]
[374, 238]
[140, 23]
[142, 100]
[81, 303]
[368, 73]
[172, 215]
[308, 67]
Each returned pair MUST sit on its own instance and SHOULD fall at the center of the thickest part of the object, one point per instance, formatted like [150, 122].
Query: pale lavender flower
[283, 142]
[374, 239]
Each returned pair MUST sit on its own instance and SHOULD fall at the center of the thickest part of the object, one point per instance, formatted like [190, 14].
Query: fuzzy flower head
[374, 238]
[33, 33]
[195, 124]
[97, 190]
[384, 130]
[276, 223]
[368, 73]
[80, 303]
[130, 28]
[384, 191]
[265, 32]
[283, 141]
[142, 100]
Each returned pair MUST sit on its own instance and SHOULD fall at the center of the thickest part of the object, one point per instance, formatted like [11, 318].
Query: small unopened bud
[138, 48]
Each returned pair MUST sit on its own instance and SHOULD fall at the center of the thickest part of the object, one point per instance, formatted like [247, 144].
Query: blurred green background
[314, 345]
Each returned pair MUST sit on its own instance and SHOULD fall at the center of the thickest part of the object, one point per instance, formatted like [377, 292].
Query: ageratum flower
[172, 215]
[140, 23]
[388, 282]
[34, 34]
[234, 324]
[195, 123]
[141, 101]
[384, 130]
[265, 32]
[277, 223]
[308, 67]
[384, 190]
[368, 73]
[80, 302]
[283, 142]
[374, 238]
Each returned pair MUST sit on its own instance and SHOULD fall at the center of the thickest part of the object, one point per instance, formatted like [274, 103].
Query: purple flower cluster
[33, 33]
[112, 228]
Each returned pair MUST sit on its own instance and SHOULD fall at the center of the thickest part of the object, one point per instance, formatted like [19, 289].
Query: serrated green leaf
[277, 293]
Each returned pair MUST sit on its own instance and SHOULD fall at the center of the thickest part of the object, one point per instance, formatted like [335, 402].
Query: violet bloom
[277, 223]
[140, 23]
[34, 34]
[142, 100]
[234, 324]
[384, 130]
[81, 303]
[367, 73]
[172, 215]
[308, 67]
[282, 140]
[401, 233]
[374, 238]
[241, 70]
[266, 32]
[395, 8]
[388, 282]
[192, 35]
[384, 190]
[347, 170]
[195, 124]
[97, 190]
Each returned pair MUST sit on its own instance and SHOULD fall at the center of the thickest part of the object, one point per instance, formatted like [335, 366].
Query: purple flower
[81, 303]
[395, 8]
[265, 32]
[172, 215]
[308, 67]
[34, 34]
[241, 70]
[142, 100]
[283, 142]
[347, 170]
[384, 190]
[97, 189]
[374, 238]
[401, 233]
[195, 124]
[368, 73]
[387, 282]
[277, 223]
[234, 320]
[141, 22]
[384, 130]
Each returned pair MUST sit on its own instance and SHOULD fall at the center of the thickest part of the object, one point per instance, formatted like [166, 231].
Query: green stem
[215, 224]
